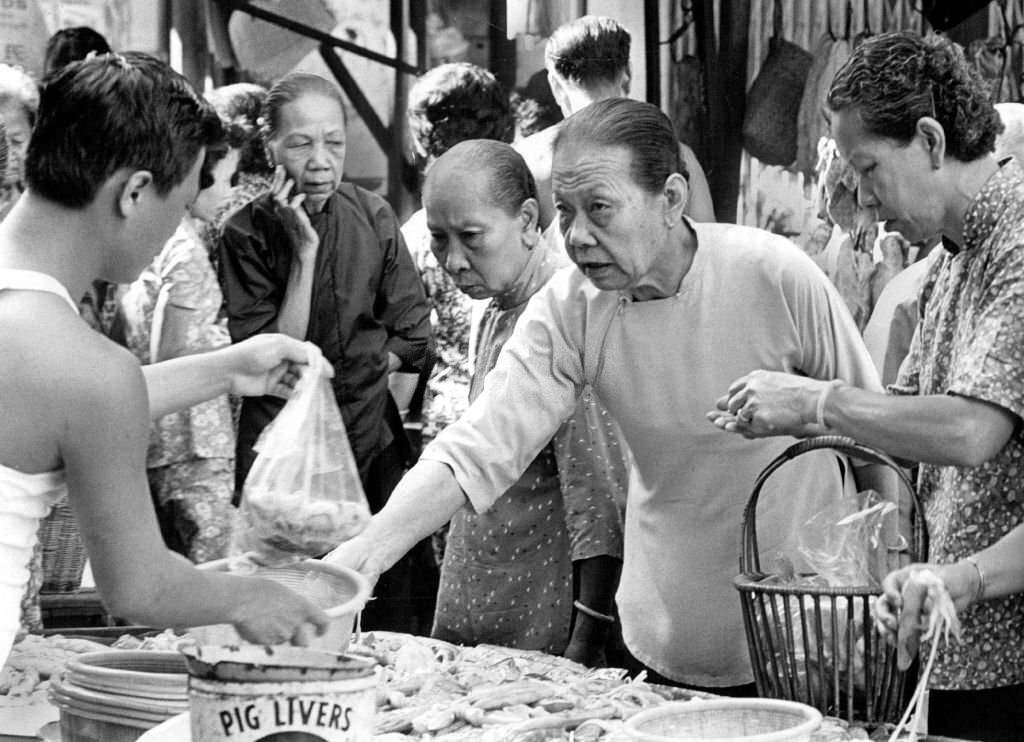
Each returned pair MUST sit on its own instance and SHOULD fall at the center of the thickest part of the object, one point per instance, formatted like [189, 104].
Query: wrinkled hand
[361, 554]
[270, 364]
[273, 614]
[298, 229]
[902, 611]
[767, 403]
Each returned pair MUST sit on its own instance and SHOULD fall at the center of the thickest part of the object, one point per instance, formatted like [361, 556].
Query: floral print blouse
[447, 394]
[183, 269]
[970, 342]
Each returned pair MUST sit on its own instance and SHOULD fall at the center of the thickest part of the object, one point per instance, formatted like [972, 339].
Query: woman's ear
[529, 212]
[676, 191]
[269, 145]
[934, 138]
[132, 191]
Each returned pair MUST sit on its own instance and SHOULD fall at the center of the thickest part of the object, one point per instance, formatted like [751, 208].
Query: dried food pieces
[294, 523]
[25, 677]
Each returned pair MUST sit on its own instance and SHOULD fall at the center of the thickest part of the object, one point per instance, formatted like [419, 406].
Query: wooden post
[164, 30]
[398, 191]
[190, 23]
[723, 53]
[652, 50]
[418, 23]
[503, 51]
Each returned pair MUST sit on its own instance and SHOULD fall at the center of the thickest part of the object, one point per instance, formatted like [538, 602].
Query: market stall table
[432, 690]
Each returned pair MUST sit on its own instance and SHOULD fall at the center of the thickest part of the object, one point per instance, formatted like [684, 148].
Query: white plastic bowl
[725, 720]
[113, 696]
[341, 592]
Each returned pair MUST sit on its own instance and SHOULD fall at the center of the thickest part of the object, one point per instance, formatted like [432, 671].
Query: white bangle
[979, 594]
[819, 412]
[586, 609]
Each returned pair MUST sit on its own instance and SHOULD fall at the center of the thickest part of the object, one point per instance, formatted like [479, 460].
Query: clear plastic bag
[303, 495]
[850, 543]
[823, 639]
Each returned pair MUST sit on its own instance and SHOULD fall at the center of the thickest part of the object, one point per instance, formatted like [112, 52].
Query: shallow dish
[725, 720]
[67, 694]
[131, 672]
[341, 593]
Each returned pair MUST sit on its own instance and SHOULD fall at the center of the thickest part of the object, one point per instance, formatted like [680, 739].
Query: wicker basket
[819, 645]
[63, 550]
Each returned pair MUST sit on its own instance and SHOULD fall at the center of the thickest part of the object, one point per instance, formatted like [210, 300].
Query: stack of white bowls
[115, 696]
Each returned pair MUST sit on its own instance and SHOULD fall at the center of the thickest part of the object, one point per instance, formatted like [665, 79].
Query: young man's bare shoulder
[61, 383]
[50, 349]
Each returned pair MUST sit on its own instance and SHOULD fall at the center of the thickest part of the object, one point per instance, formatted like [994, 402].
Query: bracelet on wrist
[979, 594]
[819, 411]
[587, 610]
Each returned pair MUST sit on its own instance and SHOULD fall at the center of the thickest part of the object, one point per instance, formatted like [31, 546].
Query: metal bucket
[273, 694]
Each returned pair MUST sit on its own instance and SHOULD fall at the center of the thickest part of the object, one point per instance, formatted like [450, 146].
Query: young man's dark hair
[117, 111]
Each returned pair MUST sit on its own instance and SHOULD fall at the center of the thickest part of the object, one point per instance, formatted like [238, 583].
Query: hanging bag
[773, 101]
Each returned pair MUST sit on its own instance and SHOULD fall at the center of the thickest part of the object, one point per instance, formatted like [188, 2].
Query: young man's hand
[271, 364]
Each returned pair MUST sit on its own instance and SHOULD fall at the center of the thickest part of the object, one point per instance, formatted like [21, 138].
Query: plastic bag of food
[849, 543]
[816, 634]
[303, 495]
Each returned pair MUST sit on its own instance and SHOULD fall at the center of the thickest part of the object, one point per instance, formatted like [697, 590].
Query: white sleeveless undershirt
[25, 499]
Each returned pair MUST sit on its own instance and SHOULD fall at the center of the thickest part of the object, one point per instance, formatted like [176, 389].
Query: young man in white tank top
[115, 157]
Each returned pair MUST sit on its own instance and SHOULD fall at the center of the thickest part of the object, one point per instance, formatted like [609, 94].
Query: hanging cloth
[829, 56]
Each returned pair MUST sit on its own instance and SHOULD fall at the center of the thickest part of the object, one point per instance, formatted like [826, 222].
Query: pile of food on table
[427, 689]
[618, 398]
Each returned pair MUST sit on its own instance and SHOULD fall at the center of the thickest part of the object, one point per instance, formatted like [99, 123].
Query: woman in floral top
[174, 309]
[918, 125]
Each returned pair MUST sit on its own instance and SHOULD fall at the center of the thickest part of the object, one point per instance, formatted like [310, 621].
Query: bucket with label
[272, 694]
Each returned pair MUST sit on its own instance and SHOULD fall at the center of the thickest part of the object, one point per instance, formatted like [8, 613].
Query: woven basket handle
[750, 560]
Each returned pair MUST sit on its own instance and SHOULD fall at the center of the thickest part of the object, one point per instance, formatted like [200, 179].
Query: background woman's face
[211, 198]
[310, 144]
[479, 243]
[18, 131]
